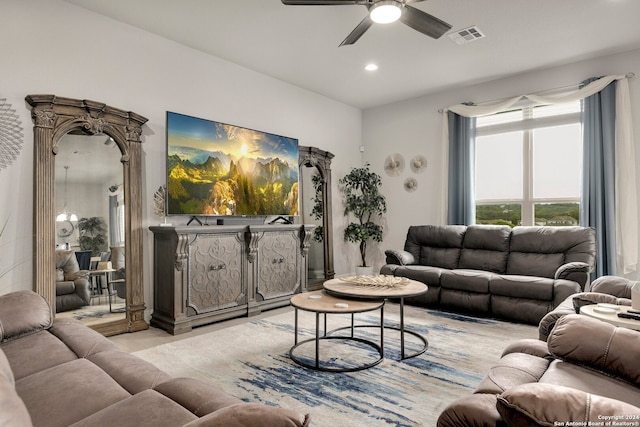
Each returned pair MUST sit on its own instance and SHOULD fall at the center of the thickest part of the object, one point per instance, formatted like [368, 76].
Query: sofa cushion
[476, 281]
[65, 288]
[25, 354]
[534, 264]
[198, 397]
[423, 273]
[485, 247]
[546, 405]
[23, 313]
[538, 288]
[590, 380]
[67, 393]
[437, 246]
[12, 409]
[539, 251]
[146, 409]
[67, 261]
[252, 414]
[131, 372]
[81, 340]
[608, 348]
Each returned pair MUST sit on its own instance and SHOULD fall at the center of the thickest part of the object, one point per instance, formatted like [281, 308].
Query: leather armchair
[72, 284]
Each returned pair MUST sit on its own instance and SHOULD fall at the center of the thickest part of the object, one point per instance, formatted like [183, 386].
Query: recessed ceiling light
[371, 67]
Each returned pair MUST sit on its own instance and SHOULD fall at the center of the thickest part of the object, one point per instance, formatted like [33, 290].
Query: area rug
[251, 361]
[94, 314]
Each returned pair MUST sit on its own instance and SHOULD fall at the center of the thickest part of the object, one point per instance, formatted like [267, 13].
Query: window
[529, 166]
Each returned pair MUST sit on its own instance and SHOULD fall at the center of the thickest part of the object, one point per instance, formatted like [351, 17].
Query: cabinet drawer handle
[217, 267]
[277, 261]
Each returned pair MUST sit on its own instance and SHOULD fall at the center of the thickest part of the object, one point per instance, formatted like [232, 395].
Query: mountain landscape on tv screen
[202, 182]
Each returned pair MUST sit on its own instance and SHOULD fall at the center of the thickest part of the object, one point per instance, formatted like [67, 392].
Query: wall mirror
[315, 208]
[91, 152]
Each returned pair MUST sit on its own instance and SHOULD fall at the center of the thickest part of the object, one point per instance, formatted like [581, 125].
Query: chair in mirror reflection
[72, 284]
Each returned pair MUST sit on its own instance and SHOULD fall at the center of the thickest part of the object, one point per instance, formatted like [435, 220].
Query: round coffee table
[373, 288]
[611, 317]
[319, 302]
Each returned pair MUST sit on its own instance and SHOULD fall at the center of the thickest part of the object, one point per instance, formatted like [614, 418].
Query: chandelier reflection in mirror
[65, 215]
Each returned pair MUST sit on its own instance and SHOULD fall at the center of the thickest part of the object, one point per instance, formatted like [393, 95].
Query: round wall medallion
[10, 134]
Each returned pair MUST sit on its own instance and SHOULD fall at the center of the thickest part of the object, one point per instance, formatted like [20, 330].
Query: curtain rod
[629, 75]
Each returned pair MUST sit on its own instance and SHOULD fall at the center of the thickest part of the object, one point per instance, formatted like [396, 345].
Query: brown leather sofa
[72, 284]
[587, 373]
[519, 274]
[61, 373]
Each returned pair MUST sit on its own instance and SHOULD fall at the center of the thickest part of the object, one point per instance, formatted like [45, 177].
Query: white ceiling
[299, 44]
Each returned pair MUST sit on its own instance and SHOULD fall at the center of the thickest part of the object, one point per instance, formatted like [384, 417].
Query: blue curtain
[462, 167]
[597, 205]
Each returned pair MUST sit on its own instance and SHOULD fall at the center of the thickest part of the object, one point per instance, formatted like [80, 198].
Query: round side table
[319, 302]
[592, 311]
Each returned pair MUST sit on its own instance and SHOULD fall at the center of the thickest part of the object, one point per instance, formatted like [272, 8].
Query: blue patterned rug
[251, 361]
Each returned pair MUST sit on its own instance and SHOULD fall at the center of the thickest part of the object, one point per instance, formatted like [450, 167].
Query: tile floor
[153, 337]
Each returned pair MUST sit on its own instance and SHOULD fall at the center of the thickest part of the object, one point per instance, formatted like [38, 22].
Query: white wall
[52, 47]
[49, 46]
[415, 127]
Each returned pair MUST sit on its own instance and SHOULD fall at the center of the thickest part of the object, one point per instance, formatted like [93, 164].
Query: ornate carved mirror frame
[314, 157]
[54, 117]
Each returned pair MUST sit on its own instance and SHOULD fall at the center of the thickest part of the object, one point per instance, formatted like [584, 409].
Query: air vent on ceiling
[466, 35]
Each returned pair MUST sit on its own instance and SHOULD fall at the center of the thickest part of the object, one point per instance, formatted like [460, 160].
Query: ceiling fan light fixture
[385, 11]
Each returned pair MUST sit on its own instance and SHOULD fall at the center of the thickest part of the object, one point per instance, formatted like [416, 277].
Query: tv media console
[207, 274]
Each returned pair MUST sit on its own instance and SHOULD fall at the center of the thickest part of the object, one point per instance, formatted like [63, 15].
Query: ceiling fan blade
[322, 2]
[358, 31]
[423, 22]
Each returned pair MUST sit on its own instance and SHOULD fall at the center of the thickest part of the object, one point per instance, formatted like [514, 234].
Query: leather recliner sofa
[519, 274]
[587, 373]
[57, 373]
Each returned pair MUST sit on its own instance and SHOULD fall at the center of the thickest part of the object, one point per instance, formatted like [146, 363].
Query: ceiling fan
[383, 12]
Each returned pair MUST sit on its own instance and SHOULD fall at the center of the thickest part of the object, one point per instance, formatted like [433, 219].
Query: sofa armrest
[598, 345]
[22, 313]
[84, 274]
[537, 404]
[576, 271]
[477, 409]
[399, 257]
[612, 285]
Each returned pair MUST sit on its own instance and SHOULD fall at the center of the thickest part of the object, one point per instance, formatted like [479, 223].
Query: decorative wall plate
[418, 164]
[10, 134]
[394, 164]
[410, 185]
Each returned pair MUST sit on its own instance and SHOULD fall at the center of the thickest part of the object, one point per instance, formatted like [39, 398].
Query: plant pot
[364, 271]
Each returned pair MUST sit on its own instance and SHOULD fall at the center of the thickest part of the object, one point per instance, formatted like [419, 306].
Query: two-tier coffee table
[320, 302]
[381, 288]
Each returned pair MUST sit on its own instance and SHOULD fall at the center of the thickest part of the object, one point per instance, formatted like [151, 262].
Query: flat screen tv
[215, 168]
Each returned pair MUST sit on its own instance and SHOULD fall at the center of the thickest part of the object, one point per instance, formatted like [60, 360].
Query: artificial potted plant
[362, 200]
[93, 235]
